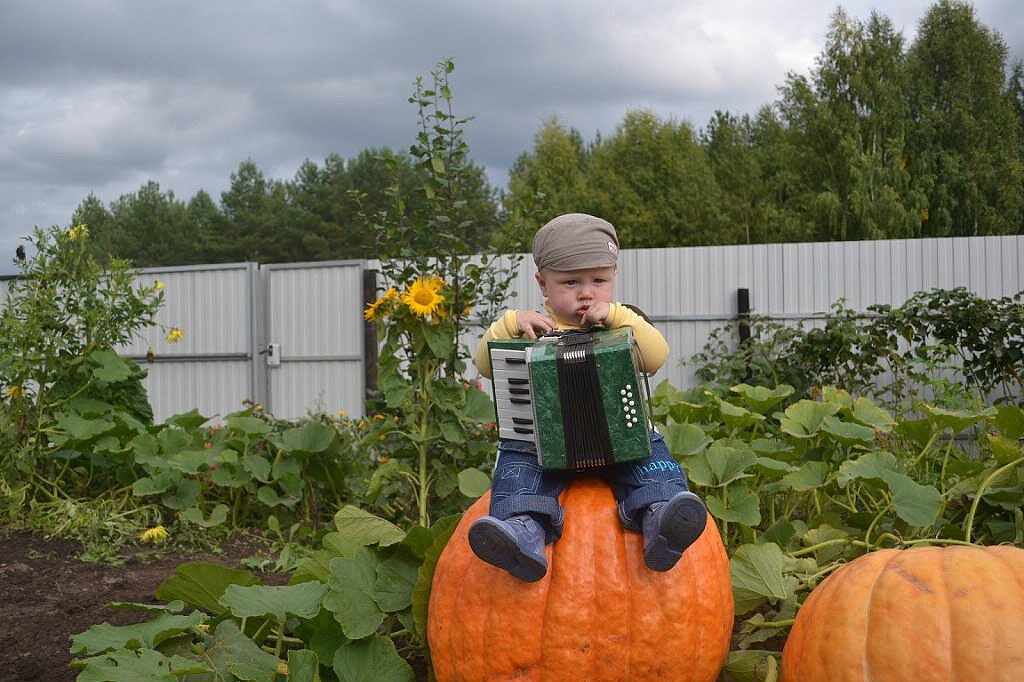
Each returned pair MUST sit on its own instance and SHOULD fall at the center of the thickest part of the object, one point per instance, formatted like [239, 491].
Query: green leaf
[870, 414]
[396, 578]
[258, 466]
[218, 516]
[757, 575]
[804, 418]
[276, 602]
[736, 417]
[311, 437]
[439, 338]
[189, 421]
[366, 529]
[728, 464]
[83, 429]
[869, 466]
[808, 477]
[918, 505]
[685, 439]
[473, 483]
[351, 595]
[761, 399]
[183, 496]
[374, 659]
[1004, 449]
[235, 656]
[303, 666]
[479, 407]
[956, 420]
[847, 433]
[202, 584]
[147, 635]
[743, 506]
[1009, 420]
[751, 665]
[143, 665]
[249, 426]
[110, 368]
[917, 430]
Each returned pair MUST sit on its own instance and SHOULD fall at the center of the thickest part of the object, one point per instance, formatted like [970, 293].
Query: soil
[47, 595]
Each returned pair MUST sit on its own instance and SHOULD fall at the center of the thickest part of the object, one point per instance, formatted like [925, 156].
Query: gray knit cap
[576, 241]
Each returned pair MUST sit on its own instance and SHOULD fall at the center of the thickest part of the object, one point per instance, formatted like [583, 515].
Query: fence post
[369, 337]
[743, 310]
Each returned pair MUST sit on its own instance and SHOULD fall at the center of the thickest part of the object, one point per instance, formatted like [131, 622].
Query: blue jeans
[521, 486]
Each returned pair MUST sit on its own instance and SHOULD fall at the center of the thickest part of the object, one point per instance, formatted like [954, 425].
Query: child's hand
[532, 324]
[596, 313]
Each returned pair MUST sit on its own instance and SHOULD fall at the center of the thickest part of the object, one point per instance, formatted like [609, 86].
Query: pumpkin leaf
[685, 439]
[147, 635]
[202, 584]
[870, 466]
[310, 438]
[918, 505]
[869, 414]
[743, 506]
[955, 420]
[396, 578]
[364, 528]
[803, 419]
[736, 417]
[1009, 420]
[303, 666]
[757, 576]
[275, 602]
[234, 656]
[809, 476]
[847, 433]
[351, 594]
[373, 659]
[143, 665]
[760, 399]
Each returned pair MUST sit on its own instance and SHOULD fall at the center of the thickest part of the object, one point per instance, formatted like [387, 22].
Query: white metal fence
[311, 313]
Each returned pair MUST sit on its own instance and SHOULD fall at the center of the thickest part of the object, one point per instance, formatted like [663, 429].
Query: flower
[78, 232]
[159, 285]
[155, 535]
[378, 308]
[13, 392]
[175, 335]
[423, 296]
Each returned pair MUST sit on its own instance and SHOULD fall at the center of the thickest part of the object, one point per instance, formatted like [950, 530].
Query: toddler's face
[571, 292]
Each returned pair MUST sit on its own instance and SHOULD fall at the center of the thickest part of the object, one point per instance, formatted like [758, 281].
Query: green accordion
[576, 395]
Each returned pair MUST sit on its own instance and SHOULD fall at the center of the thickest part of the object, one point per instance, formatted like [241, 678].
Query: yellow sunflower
[423, 296]
[378, 309]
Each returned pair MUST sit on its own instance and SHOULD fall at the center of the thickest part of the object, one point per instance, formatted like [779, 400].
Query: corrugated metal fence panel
[211, 368]
[316, 315]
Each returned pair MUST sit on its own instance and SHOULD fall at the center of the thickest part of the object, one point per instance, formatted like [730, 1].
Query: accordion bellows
[576, 395]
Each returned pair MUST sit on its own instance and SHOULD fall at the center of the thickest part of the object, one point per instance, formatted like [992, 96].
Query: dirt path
[47, 595]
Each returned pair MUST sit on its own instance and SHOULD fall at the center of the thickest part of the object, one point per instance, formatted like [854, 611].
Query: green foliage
[354, 610]
[951, 344]
[800, 486]
[429, 416]
[62, 318]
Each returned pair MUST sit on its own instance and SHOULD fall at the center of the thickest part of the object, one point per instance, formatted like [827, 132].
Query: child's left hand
[595, 314]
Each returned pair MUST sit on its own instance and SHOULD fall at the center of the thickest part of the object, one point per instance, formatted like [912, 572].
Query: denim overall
[521, 486]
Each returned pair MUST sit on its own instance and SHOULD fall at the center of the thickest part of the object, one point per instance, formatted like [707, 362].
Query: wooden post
[369, 337]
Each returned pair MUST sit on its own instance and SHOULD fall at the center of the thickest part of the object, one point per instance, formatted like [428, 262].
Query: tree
[965, 150]
[254, 229]
[652, 180]
[557, 171]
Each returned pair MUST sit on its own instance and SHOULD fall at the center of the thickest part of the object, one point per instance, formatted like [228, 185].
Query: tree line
[881, 140]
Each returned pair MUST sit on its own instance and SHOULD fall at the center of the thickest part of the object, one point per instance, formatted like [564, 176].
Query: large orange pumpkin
[599, 613]
[952, 613]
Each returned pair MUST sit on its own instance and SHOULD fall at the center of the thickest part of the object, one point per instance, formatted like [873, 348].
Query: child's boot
[515, 545]
[670, 527]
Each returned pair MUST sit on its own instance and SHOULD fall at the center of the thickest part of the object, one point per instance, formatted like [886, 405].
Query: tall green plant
[431, 433]
[63, 317]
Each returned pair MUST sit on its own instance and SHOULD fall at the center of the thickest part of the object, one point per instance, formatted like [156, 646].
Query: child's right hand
[532, 324]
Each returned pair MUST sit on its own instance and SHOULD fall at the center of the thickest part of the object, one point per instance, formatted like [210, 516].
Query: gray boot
[515, 545]
[670, 527]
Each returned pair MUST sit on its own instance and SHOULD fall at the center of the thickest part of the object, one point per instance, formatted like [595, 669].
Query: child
[576, 257]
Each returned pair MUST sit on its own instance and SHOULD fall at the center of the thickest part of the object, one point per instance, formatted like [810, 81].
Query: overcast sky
[103, 96]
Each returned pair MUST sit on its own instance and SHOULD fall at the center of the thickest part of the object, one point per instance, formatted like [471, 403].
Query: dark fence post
[369, 336]
[743, 309]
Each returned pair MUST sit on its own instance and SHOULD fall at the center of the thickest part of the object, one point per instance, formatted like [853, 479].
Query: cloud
[102, 97]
